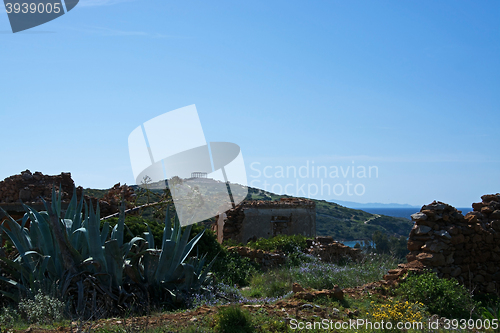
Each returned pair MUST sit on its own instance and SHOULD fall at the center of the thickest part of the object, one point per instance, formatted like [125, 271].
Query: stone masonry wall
[328, 250]
[463, 247]
[256, 219]
[324, 248]
[31, 188]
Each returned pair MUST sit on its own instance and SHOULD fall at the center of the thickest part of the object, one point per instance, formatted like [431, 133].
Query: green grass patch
[320, 275]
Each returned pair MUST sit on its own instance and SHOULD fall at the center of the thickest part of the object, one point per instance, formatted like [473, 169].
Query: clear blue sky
[409, 87]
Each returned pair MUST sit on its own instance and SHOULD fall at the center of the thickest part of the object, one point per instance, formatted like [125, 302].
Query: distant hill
[356, 205]
[344, 223]
[332, 219]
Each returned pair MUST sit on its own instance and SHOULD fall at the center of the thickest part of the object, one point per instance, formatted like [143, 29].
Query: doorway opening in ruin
[280, 224]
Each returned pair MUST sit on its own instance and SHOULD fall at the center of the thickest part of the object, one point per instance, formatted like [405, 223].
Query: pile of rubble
[328, 250]
[32, 188]
[265, 259]
[325, 248]
[456, 246]
[310, 294]
[110, 202]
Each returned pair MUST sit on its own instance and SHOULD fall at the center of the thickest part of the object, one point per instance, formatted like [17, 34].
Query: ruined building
[456, 246]
[31, 188]
[255, 219]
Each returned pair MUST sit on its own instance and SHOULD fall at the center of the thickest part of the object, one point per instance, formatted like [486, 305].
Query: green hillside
[334, 220]
[344, 223]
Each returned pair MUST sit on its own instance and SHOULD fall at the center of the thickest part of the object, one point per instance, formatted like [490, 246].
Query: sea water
[395, 212]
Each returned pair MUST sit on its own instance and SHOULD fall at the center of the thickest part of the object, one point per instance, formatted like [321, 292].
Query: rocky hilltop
[32, 188]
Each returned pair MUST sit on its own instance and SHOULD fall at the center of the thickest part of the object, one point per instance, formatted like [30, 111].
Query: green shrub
[43, 309]
[137, 226]
[208, 242]
[233, 319]
[396, 246]
[284, 243]
[8, 317]
[230, 268]
[443, 297]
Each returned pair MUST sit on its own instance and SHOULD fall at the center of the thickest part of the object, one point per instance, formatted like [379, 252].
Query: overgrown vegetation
[444, 297]
[319, 275]
[139, 264]
[395, 246]
[94, 269]
[286, 244]
[233, 319]
[42, 309]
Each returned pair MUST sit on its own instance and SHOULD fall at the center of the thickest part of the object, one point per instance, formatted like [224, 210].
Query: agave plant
[55, 249]
[74, 253]
[169, 267]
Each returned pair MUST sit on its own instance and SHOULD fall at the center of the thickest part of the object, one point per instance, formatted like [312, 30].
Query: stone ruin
[30, 188]
[328, 250]
[466, 248]
[265, 219]
[324, 248]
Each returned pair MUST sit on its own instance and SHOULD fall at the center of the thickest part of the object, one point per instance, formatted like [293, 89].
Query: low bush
[232, 269]
[137, 226]
[394, 312]
[208, 242]
[283, 243]
[321, 275]
[8, 317]
[42, 309]
[444, 297]
[229, 267]
[233, 319]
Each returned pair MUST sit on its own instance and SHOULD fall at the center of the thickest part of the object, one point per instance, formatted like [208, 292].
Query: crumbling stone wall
[265, 259]
[264, 219]
[328, 250]
[324, 248]
[463, 247]
[31, 188]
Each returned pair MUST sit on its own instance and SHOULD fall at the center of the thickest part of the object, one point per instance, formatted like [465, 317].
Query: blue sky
[409, 87]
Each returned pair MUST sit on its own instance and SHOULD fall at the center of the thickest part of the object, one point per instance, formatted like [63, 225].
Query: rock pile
[33, 188]
[265, 259]
[234, 222]
[462, 247]
[328, 250]
[110, 202]
[310, 294]
[325, 248]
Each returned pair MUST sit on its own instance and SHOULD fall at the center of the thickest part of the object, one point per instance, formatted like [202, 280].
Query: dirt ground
[295, 307]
